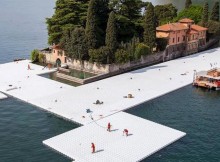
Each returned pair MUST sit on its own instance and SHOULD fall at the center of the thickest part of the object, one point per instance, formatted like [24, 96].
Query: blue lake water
[23, 127]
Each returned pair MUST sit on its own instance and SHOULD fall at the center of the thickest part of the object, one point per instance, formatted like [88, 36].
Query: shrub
[141, 50]
[41, 58]
[161, 43]
[121, 56]
[35, 55]
[100, 55]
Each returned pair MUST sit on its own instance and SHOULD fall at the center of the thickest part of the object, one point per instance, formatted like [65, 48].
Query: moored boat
[208, 79]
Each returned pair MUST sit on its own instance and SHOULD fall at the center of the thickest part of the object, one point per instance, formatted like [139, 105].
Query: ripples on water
[194, 111]
[23, 128]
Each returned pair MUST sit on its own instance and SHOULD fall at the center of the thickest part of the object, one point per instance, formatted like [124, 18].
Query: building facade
[55, 55]
[184, 35]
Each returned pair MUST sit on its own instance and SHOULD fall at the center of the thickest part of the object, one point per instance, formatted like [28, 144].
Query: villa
[184, 35]
[55, 55]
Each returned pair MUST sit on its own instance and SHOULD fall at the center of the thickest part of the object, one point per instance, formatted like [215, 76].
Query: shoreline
[71, 102]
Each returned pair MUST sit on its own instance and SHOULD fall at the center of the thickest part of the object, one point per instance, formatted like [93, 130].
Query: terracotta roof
[198, 28]
[193, 32]
[57, 47]
[162, 35]
[186, 20]
[172, 27]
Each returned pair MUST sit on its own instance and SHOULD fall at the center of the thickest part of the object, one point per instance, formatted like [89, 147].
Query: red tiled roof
[198, 28]
[57, 47]
[172, 27]
[162, 35]
[193, 32]
[186, 20]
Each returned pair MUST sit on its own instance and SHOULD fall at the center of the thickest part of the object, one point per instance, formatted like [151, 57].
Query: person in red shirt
[125, 132]
[93, 148]
[109, 127]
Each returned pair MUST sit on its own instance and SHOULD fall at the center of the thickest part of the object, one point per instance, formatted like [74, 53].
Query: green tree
[215, 12]
[161, 43]
[68, 15]
[130, 47]
[102, 17]
[141, 50]
[74, 44]
[129, 18]
[121, 56]
[41, 58]
[111, 33]
[35, 55]
[92, 30]
[194, 12]
[205, 15]
[188, 3]
[213, 28]
[165, 13]
[99, 55]
[150, 27]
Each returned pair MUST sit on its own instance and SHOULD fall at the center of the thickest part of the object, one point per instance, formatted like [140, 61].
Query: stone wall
[88, 66]
[112, 68]
[171, 52]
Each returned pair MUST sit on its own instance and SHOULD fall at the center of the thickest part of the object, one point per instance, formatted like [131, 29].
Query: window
[173, 40]
[184, 38]
[60, 52]
[178, 39]
[193, 36]
[54, 51]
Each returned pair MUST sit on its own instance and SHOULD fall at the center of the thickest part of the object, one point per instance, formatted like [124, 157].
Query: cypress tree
[68, 15]
[111, 33]
[205, 16]
[188, 3]
[150, 27]
[92, 29]
[215, 12]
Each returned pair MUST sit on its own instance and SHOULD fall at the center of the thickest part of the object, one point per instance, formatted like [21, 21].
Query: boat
[208, 79]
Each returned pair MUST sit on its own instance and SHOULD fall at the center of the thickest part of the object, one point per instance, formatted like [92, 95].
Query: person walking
[29, 67]
[125, 132]
[109, 127]
[93, 148]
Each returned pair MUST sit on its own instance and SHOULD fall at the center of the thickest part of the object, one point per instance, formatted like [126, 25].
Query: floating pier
[2, 96]
[77, 103]
[144, 138]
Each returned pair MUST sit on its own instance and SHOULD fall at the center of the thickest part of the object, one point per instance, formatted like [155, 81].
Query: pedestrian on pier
[109, 127]
[125, 132]
[93, 148]
[29, 67]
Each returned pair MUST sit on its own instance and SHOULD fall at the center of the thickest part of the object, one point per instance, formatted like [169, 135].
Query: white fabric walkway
[71, 102]
[145, 138]
[2, 96]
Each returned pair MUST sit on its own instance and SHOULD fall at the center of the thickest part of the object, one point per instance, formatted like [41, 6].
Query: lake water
[23, 127]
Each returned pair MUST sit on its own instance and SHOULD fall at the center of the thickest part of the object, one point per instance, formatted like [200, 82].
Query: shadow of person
[114, 130]
[99, 151]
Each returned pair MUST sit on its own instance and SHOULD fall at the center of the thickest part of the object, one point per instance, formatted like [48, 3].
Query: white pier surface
[2, 96]
[145, 138]
[71, 102]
